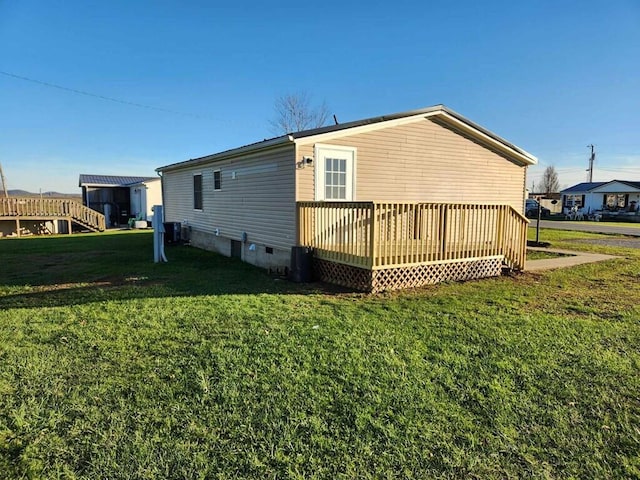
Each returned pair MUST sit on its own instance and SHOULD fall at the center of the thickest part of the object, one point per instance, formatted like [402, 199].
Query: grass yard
[114, 367]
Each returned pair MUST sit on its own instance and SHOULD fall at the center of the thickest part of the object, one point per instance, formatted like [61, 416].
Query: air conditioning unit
[185, 233]
[172, 233]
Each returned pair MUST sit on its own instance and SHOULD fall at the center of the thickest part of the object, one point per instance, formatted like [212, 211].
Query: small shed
[386, 202]
[121, 198]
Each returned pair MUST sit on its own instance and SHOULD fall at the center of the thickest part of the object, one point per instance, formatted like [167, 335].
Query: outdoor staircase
[48, 209]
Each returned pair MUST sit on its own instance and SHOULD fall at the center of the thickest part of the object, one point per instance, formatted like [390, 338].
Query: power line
[102, 97]
[621, 169]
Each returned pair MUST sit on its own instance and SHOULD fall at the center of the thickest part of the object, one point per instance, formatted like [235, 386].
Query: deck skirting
[396, 278]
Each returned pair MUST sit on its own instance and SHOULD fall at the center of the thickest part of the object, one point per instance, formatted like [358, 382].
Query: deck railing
[383, 235]
[54, 208]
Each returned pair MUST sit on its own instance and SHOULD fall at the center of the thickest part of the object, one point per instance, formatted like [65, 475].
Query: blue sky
[549, 76]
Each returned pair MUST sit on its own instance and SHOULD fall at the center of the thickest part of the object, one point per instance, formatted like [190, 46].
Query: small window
[616, 201]
[574, 201]
[335, 182]
[197, 192]
[217, 180]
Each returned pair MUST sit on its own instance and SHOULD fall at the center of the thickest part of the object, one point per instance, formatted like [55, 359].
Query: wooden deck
[37, 210]
[394, 245]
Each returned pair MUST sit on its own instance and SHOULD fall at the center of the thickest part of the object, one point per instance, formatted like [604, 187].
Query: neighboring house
[613, 196]
[246, 202]
[120, 198]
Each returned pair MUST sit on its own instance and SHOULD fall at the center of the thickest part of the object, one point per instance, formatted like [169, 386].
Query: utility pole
[4, 183]
[592, 159]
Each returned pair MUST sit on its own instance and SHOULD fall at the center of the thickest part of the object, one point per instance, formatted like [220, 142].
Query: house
[351, 190]
[616, 196]
[120, 198]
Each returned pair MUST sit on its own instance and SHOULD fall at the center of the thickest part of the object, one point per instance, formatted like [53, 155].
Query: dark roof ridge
[111, 180]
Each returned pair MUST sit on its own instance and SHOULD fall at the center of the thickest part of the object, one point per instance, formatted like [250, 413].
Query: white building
[613, 196]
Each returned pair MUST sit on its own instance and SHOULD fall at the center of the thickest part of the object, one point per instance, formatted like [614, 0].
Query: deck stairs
[47, 209]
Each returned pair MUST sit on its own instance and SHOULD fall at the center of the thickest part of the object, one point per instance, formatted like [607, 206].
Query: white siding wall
[153, 197]
[143, 197]
[260, 200]
[593, 202]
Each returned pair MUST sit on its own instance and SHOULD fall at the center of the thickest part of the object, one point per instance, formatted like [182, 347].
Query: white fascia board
[102, 185]
[519, 154]
[614, 187]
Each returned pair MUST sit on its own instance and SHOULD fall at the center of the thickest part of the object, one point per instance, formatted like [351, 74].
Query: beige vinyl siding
[422, 162]
[260, 200]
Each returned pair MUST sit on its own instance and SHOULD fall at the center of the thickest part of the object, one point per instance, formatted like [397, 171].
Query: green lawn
[114, 367]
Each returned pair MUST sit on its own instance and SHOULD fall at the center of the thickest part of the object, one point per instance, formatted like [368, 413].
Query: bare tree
[550, 183]
[294, 112]
[3, 183]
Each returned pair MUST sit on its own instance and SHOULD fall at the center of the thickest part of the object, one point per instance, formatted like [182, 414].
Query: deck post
[298, 222]
[372, 235]
[69, 225]
[500, 230]
[18, 225]
[443, 232]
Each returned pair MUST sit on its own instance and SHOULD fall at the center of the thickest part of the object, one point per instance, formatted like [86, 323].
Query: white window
[217, 180]
[614, 201]
[335, 172]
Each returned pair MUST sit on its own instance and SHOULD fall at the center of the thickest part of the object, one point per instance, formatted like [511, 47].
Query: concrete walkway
[594, 227]
[569, 259]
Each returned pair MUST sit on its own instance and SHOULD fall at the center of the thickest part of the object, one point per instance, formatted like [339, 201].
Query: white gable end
[615, 187]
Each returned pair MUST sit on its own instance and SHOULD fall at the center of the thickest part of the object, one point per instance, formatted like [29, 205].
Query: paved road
[595, 227]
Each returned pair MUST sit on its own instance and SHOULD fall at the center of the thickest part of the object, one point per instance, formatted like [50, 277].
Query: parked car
[531, 209]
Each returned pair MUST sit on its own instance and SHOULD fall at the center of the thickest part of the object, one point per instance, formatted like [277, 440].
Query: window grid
[335, 183]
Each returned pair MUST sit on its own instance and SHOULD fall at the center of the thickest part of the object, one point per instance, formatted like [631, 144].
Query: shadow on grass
[60, 271]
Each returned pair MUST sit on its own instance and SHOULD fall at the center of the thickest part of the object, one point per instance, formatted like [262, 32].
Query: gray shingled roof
[587, 187]
[631, 184]
[583, 187]
[87, 180]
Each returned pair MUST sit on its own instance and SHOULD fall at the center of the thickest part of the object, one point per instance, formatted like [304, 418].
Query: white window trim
[217, 170]
[319, 170]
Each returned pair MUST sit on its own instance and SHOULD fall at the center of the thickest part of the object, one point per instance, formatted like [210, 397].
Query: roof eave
[254, 147]
[439, 112]
[460, 122]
